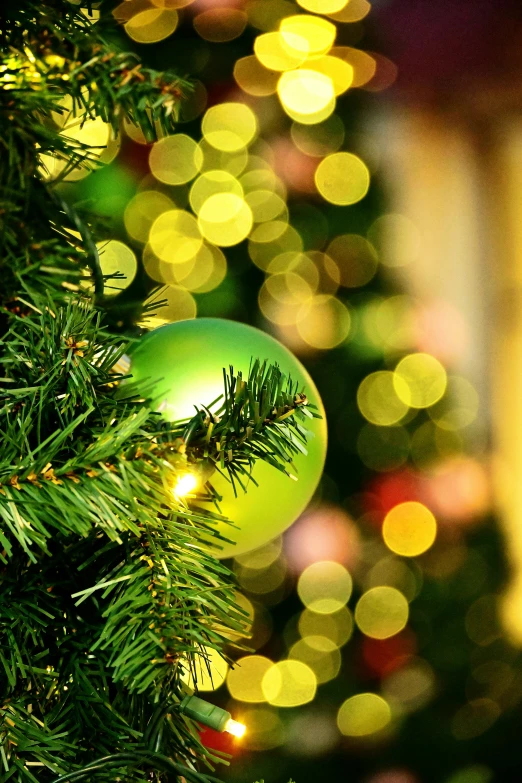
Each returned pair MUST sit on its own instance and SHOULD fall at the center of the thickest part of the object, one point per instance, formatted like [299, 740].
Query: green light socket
[204, 712]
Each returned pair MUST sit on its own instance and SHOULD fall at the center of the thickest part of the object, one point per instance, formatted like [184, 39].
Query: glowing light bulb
[235, 728]
[185, 484]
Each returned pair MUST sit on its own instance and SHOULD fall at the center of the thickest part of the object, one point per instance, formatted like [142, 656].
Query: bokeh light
[326, 532]
[378, 399]
[244, 680]
[381, 612]
[289, 684]
[225, 219]
[353, 11]
[176, 159]
[342, 178]
[323, 322]
[420, 380]
[307, 96]
[312, 733]
[325, 587]
[175, 237]
[308, 34]
[337, 628]
[356, 259]
[116, 258]
[280, 53]
[207, 671]
[177, 304]
[409, 529]
[391, 571]
[325, 663]
[322, 6]
[220, 24]
[474, 718]
[142, 210]
[363, 714]
[152, 25]
[253, 78]
[210, 183]
[229, 127]
[410, 687]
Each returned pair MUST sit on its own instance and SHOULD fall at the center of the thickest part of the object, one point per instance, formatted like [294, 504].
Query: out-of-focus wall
[451, 147]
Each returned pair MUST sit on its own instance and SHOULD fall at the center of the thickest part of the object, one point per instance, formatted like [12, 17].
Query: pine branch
[57, 68]
[109, 593]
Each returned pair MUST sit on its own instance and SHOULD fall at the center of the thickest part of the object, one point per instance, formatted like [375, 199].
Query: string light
[185, 485]
[212, 716]
[235, 728]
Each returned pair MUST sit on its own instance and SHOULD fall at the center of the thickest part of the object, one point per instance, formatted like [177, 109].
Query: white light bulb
[235, 728]
[185, 484]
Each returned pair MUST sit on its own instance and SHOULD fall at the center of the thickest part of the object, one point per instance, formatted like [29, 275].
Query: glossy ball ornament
[181, 365]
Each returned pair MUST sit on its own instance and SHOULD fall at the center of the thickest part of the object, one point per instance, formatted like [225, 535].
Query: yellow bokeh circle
[175, 237]
[381, 612]
[177, 305]
[289, 684]
[305, 93]
[117, 258]
[342, 178]
[378, 400]
[336, 627]
[310, 35]
[266, 205]
[225, 219]
[254, 78]
[324, 322]
[210, 183]
[152, 25]
[280, 53]
[323, 6]
[325, 587]
[213, 159]
[409, 529]
[339, 71]
[420, 380]
[142, 210]
[320, 655]
[245, 679]
[363, 714]
[229, 127]
[207, 671]
[176, 159]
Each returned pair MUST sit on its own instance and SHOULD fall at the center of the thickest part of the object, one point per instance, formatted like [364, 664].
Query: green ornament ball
[181, 365]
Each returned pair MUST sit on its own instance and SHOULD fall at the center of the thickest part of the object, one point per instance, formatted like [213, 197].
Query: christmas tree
[111, 595]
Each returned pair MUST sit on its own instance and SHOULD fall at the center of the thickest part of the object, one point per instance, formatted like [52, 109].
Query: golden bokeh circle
[289, 684]
[342, 178]
[363, 714]
[175, 159]
[325, 587]
[409, 529]
[245, 679]
[381, 612]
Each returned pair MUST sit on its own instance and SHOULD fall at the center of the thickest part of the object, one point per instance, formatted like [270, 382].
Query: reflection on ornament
[182, 363]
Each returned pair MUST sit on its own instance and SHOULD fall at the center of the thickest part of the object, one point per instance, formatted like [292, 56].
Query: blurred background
[347, 176]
